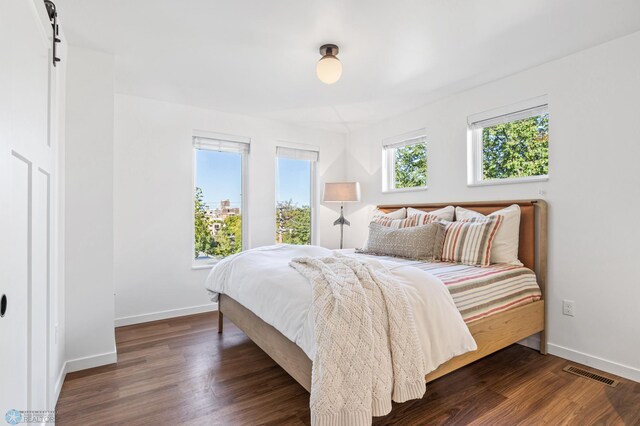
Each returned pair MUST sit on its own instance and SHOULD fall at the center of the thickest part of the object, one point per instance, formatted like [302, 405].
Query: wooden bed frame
[491, 334]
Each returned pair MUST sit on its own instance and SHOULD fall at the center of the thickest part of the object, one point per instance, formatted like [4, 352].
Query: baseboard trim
[59, 383]
[621, 370]
[171, 313]
[91, 361]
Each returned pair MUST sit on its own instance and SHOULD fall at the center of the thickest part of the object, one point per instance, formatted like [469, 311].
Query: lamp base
[341, 221]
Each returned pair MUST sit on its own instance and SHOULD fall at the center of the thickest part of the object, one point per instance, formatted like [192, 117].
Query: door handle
[3, 305]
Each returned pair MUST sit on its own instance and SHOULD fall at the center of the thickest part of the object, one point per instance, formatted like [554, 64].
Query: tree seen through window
[293, 201]
[410, 166]
[516, 149]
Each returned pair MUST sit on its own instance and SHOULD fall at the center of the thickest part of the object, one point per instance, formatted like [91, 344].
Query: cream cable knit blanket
[368, 352]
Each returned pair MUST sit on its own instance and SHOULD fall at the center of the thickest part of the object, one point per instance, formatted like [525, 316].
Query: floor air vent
[588, 375]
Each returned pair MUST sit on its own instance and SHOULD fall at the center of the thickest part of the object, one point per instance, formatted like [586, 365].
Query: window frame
[520, 111]
[314, 192]
[224, 143]
[389, 146]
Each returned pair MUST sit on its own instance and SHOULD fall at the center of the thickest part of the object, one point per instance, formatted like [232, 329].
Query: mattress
[263, 281]
[481, 292]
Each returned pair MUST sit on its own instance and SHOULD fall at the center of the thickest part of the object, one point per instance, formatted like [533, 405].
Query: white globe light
[329, 69]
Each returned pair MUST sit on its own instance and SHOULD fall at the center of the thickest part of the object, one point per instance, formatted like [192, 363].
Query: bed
[493, 325]
[479, 292]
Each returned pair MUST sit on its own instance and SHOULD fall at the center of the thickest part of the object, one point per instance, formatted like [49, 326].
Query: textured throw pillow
[505, 245]
[396, 214]
[417, 242]
[445, 213]
[469, 242]
[415, 220]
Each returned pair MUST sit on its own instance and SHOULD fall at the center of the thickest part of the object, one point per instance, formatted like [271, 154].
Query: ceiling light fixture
[329, 67]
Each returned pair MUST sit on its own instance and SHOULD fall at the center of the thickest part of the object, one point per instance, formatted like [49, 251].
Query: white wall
[89, 209]
[153, 199]
[594, 104]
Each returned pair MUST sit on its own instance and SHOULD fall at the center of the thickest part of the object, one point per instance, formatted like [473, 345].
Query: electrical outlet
[569, 307]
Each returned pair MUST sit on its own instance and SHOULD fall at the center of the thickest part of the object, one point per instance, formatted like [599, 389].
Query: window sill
[400, 190]
[510, 181]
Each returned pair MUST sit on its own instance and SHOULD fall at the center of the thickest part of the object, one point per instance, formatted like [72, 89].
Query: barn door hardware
[53, 17]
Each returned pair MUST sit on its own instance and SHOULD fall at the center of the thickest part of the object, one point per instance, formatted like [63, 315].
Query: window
[219, 202]
[510, 147]
[404, 160]
[295, 183]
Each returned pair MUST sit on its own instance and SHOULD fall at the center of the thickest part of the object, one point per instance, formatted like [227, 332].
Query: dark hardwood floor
[180, 371]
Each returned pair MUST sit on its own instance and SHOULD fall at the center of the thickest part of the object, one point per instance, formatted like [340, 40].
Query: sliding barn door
[26, 166]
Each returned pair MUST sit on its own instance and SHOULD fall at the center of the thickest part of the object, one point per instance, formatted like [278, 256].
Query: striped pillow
[415, 220]
[469, 241]
[396, 214]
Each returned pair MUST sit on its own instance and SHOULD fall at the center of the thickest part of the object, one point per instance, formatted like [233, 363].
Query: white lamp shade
[329, 69]
[341, 192]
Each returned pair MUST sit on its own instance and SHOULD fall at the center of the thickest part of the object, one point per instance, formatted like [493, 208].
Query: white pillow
[505, 244]
[445, 213]
[396, 214]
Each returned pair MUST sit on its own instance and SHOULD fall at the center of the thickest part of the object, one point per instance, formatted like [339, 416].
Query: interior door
[26, 164]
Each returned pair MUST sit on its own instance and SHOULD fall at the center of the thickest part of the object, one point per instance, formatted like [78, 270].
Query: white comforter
[262, 281]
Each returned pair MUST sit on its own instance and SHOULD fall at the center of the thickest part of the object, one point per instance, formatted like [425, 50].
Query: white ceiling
[258, 57]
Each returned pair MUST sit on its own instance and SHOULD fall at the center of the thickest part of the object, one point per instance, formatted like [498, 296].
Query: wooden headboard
[532, 249]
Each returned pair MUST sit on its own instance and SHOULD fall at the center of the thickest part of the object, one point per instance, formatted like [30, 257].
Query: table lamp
[341, 192]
